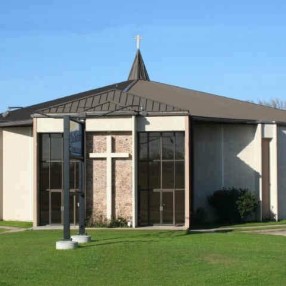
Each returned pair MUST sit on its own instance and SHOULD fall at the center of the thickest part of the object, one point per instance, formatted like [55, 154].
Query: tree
[274, 102]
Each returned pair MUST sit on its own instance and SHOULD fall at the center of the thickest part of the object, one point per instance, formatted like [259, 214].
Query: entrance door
[55, 207]
[51, 207]
[167, 207]
[162, 207]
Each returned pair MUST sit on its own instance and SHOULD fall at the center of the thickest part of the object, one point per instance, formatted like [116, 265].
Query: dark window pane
[180, 146]
[167, 201]
[154, 175]
[154, 207]
[56, 202]
[143, 146]
[179, 207]
[56, 175]
[73, 208]
[44, 208]
[56, 147]
[154, 146]
[180, 174]
[143, 175]
[168, 175]
[44, 176]
[77, 175]
[72, 175]
[45, 147]
[168, 146]
[143, 208]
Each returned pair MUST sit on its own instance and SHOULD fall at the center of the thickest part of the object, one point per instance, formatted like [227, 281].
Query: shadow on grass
[97, 243]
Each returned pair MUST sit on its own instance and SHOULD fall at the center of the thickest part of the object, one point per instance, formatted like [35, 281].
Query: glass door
[167, 207]
[55, 208]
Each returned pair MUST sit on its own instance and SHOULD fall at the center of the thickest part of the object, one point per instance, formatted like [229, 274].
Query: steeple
[138, 69]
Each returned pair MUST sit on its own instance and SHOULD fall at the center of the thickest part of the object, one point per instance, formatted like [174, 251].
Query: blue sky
[50, 49]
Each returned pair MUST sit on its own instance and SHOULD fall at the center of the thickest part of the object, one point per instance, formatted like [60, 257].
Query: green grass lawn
[22, 224]
[137, 257]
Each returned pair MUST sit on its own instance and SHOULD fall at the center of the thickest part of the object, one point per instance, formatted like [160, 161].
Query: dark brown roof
[112, 100]
[151, 97]
[24, 114]
[138, 69]
[201, 104]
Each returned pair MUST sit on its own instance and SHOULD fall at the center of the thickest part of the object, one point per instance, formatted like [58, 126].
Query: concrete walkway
[9, 229]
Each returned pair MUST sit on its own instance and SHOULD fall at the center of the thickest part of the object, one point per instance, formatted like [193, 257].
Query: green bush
[246, 204]
[233, 205]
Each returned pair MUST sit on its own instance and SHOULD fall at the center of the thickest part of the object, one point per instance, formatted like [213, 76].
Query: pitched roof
[112, 100]
[138, 69]
[201, 104]
[23, 116]
[151, 97]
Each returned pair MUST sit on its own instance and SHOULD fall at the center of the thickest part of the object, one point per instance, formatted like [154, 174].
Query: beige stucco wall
[18, 173]
[161, 123]
[225, 155]
[1, 174]
[49, 125]
[281, 172]
[274, 173]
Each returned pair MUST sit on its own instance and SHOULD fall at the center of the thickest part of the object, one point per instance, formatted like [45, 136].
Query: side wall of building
[281, 132]
[1, 174]
[18, 173]
[225, 155]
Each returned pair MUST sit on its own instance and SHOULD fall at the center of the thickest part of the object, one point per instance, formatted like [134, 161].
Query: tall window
[51, 179]
[161, 180]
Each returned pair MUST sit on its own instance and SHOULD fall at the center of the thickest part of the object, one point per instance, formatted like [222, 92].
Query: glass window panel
[72, 175]
[179, 207]
[44, 208]
[45, 147]
[44, 176]
[168, 175]
[143, 175]
[167, 200]
[154, 146]
[73, 207]
[168, 146]
[143, 208]
[56, 201]
[143, 146]
[154, 207]
[56, 175]
[154, 175]
[76, 175]
[56, 147]
[180, 174]
[180, 146]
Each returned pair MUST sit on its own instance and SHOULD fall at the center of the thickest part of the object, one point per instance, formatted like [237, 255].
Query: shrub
[246, 204]
[233, 205]
[103, 222]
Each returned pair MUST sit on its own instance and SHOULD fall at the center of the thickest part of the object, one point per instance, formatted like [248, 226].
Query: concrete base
[66, 244]
[81, 238]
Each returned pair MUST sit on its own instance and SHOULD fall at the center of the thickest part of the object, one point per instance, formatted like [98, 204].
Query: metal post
[81, 201]
[66, 177]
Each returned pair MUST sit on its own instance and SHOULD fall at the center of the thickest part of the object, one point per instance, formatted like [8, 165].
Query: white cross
[108, 156]
[138, 38]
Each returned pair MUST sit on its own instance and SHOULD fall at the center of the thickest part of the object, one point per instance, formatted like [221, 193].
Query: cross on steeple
[138, 38]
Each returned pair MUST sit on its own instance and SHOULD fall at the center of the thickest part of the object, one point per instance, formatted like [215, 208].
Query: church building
[153, 153]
